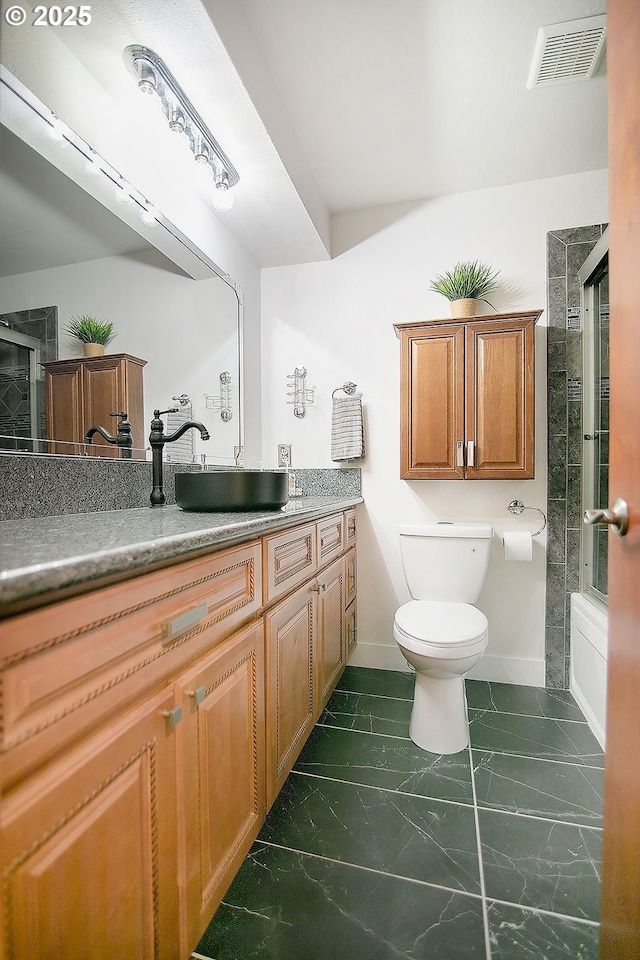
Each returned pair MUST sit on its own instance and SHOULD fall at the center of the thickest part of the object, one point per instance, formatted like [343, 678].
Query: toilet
[440, 632]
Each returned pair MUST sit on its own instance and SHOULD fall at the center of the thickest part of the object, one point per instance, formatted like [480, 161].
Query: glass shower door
[595, 464]
[19, 378]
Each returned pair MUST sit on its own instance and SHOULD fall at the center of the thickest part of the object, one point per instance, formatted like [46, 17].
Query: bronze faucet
[123, 437]
[157, 439]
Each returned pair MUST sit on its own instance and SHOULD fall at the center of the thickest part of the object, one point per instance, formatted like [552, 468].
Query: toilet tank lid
[462, 531]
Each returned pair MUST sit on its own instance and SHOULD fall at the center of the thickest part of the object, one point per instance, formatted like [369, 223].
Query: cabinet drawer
[289, 559]
[350, 527]
[66, 666]
[330, 533]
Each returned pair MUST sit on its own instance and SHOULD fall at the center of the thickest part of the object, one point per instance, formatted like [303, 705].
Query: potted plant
[93, 334]
[464, 285]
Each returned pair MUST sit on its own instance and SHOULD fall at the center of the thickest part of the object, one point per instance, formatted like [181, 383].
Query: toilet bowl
[440, 633]
[442, 641]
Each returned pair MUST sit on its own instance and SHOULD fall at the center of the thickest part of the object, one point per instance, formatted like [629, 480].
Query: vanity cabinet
[145, 728]
[467, 398]
[81, 393]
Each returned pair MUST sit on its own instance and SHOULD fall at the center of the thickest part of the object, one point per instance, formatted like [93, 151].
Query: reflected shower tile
[517, 934]
[534, 737]
[382, 683]
[284, 905]
[538, 863]
[560, 791]
[361, 711]
[407, 836]
[387, 762]
[514, 698]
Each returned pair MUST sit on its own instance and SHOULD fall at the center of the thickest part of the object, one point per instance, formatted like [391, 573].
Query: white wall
[336, 318]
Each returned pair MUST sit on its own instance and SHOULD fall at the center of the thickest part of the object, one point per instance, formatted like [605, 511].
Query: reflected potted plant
[464, 285]
[93, 334]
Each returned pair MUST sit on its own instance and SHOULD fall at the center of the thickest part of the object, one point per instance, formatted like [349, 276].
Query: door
[620, 919]
[221, 770]
[88, 848]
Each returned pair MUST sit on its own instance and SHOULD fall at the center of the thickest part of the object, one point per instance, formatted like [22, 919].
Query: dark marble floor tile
[537, 863]
[382, 683]
[560, 791]
[530, 701]
[388, 762]
[526, 935]
[288, 906]
[411, 837]
[371, 714]
[534, 737]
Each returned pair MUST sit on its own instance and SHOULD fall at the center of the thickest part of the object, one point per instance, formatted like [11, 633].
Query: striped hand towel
[347, 428]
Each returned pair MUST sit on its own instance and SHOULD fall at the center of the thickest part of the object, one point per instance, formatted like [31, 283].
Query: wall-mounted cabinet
[83, 392]
[467, 398]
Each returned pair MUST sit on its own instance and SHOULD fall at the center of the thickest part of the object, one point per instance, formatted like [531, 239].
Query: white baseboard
[497, 669]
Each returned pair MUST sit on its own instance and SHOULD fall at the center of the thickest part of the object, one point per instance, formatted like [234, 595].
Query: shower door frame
[589, 276]
[8, 335]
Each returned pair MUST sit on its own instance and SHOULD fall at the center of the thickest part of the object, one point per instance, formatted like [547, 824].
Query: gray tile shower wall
[43, 486]
[566, 252]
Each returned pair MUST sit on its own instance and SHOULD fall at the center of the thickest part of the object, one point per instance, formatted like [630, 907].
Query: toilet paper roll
[518, 545]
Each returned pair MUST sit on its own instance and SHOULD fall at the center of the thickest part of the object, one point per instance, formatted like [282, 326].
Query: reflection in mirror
[65, 253]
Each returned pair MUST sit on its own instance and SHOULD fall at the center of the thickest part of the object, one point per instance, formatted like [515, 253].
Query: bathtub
[588, 674]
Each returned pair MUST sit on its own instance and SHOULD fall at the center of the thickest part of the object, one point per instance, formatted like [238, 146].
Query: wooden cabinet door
[330, 645]
[351, 627]
[221, 771]
[290, 630]
[500, 399]
[432, 405]
[63, 405]
[89, 848]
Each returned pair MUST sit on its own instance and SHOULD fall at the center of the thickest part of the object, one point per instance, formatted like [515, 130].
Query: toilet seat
[440, 624]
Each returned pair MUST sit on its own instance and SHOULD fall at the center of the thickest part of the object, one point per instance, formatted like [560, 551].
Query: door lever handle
[617, 516]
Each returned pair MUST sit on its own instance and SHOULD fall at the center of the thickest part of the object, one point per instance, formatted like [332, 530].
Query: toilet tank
[445, 561]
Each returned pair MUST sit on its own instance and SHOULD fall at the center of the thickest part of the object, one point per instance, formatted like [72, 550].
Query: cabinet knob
[198, 695]
[173, 717]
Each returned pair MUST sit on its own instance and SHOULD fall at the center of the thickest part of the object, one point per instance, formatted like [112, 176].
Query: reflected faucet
[157, 439]
[123, 437]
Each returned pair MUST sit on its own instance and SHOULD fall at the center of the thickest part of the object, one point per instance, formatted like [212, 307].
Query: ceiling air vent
[567, 51]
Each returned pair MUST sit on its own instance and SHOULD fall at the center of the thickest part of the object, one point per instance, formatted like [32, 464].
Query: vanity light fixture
[154, 79]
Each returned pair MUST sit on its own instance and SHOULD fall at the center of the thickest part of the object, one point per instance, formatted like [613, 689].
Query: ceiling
[332, 107]
[399, 100]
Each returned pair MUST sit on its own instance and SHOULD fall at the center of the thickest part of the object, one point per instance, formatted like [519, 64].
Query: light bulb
[222, 198]
[56, 131]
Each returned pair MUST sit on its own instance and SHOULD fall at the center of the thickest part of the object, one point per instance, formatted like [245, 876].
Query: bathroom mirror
[61, 246]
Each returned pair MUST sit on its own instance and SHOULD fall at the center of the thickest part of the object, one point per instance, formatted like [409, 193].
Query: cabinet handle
[471, 454]
[173, 717]
[319, 588]
[198, 695]
[459, 453]
[183, 621]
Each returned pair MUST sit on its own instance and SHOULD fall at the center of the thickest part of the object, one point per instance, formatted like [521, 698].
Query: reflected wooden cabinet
[81, 393]
[467, 398]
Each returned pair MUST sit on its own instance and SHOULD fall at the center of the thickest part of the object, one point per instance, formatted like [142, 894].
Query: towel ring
[348, 387]
[517, 506]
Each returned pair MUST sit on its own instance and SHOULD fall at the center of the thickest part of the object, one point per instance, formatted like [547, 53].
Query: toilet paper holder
[517, 506]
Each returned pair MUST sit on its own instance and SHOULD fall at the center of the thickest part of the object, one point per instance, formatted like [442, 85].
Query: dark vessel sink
[225, 490]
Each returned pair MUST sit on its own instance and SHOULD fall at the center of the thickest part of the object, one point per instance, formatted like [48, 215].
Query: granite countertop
[72, 553]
